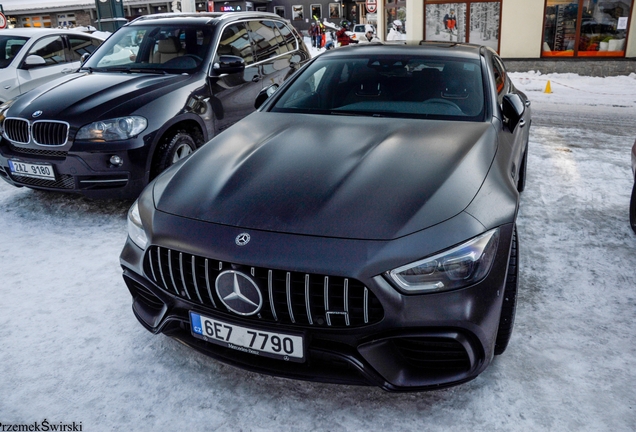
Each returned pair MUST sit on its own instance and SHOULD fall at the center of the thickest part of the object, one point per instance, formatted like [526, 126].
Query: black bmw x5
[154, 92]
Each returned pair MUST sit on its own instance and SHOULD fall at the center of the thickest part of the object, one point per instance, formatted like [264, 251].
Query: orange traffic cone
[548, 89]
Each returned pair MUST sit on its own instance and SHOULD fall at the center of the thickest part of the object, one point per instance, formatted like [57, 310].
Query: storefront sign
[371, 5]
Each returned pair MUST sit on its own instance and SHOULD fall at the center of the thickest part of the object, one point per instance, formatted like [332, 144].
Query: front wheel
[172, 149]
[632, 209]
[507, 318]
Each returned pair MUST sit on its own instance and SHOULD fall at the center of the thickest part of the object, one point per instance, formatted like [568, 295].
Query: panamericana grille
[43, 132]
[63, 182]
[288, 297]
[38, 152]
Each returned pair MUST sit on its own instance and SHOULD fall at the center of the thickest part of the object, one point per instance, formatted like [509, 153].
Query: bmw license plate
[40, 171]
[264, 343]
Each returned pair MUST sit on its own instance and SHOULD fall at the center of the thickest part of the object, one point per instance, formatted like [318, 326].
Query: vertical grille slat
[194, 278]
[183, 282]
[292, 298]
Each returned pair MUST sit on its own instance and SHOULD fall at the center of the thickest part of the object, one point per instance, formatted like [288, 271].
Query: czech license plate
[254, 341]
[40, 171]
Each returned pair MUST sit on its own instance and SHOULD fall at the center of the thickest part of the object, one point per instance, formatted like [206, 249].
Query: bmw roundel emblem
[242, 239]
[38, 113]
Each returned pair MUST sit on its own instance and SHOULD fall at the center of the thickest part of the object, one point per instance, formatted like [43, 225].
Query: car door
[515, 137]
[233, 95]
[51, 50]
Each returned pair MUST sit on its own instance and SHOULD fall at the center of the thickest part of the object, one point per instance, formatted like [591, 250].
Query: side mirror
[264, 94]
[229, 64]
[512, 109]
[33, 61]
[84, 57]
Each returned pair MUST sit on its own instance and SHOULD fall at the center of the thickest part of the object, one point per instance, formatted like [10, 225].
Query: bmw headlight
[458, 267]
[113, 129]
[136, 230]
[3, 109]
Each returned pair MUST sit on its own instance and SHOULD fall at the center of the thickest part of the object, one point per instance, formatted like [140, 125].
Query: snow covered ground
[72, 351]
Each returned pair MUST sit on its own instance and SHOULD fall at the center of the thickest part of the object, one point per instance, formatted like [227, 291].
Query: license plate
[40, 171]
[254, 341]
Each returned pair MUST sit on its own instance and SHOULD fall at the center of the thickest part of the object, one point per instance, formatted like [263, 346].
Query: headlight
[113, 129]
[3, 109]
[458, 267]
[135, 227]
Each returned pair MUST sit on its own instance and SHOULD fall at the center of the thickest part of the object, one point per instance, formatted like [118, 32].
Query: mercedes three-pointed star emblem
[239, 293]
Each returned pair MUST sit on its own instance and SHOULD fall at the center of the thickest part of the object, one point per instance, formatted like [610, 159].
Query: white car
[31, 57]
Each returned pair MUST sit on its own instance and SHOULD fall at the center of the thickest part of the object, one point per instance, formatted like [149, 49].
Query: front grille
[17, 130]
[288, 297]
[38, 152]
[43, 132]
[63, 182]
[433, 353]
[50, 132]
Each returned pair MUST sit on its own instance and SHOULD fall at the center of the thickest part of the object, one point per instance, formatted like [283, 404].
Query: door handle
[67, 70]
[256, 79]
[522, 123]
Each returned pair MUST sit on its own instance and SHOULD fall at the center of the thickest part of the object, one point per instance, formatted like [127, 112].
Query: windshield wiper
[135, 70]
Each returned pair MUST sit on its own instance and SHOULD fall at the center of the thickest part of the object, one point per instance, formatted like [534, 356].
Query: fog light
[116, 161]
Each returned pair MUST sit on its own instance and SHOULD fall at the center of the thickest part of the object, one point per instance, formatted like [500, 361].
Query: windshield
[388, 86]
[152, 49]
[10, 46]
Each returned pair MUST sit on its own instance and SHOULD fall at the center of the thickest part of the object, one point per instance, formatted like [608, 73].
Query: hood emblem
[242, 239]
[239, 293]
[38, 113]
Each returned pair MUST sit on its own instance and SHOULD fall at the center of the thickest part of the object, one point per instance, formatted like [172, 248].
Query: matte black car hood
[336, 176]
[85, 97]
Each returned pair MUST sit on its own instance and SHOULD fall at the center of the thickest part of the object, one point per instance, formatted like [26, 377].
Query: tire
[509, 307]
[521, 179]
[632, 209]
[173, 147]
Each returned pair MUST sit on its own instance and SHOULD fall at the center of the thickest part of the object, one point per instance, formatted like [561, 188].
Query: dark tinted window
[9, 48]
[51, 49]
[389, 86]
[290, 40]
[235, 41]
[81, 45]
[268, 42]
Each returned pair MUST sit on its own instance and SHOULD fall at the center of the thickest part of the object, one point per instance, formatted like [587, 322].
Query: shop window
[585, 28]
[395, 12]
[280, 11]
[66, 20]
[298, 13]
[316, 12]
[463, 21]
[334, 10]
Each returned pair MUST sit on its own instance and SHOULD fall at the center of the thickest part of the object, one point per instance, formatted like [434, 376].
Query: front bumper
[87, 172]
[420, 342]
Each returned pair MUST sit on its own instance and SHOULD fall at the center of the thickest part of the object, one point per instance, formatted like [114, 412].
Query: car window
[153, 49]
[500, 77]
[51, 49]
[263, 35]
[288, 35]
[388, 85]
[235, 41]
[82, 45]
[10, 46]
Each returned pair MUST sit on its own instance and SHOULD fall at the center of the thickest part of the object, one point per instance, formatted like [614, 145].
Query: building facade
[552, 31]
